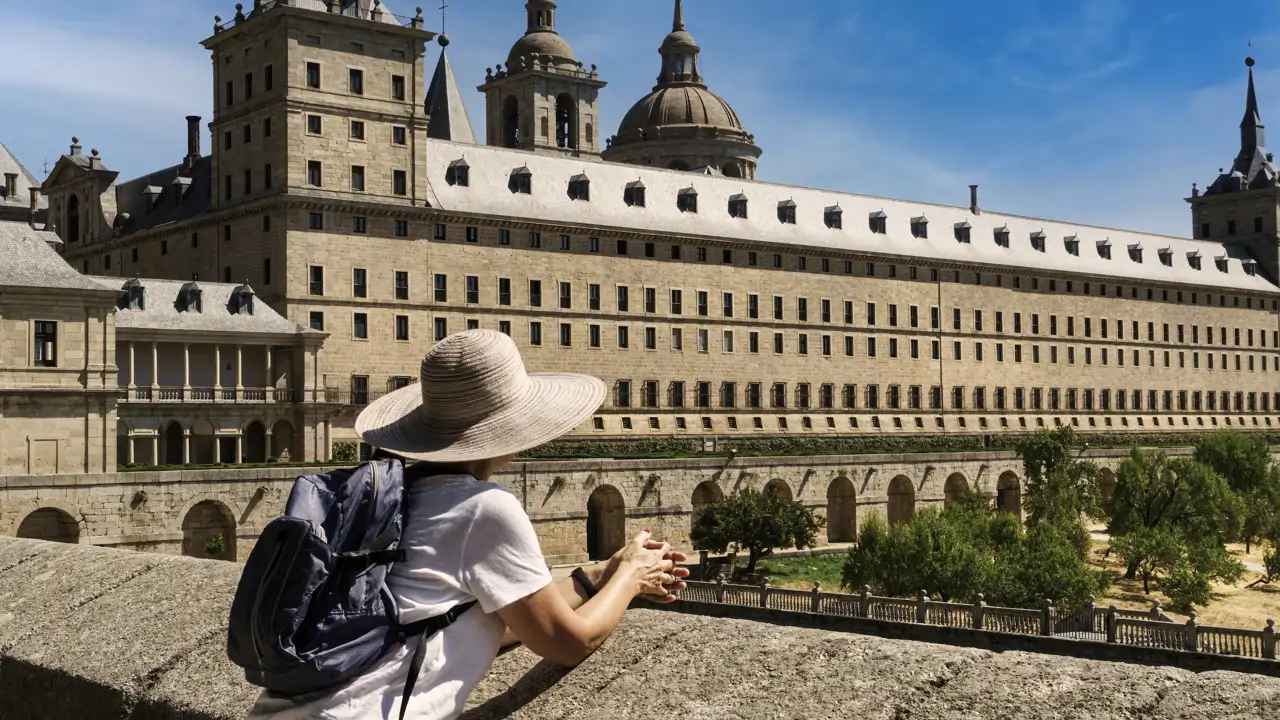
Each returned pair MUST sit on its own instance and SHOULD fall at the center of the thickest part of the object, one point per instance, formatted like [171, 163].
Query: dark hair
[423, 470]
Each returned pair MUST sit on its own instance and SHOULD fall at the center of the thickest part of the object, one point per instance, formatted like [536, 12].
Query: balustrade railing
[1138, 628]
[207, 394]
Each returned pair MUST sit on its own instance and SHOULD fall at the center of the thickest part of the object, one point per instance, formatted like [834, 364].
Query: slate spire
[446, 112]
[1252, 131]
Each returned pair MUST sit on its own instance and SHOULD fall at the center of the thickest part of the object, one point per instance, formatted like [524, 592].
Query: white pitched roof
[488, 194]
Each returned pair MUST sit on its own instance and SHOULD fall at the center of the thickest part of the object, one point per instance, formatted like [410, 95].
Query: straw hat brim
[552, 405]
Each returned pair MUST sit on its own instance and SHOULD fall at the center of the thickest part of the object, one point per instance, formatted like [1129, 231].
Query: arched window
[511, 122]
[679, 65]
[566, 122]
[73, 220]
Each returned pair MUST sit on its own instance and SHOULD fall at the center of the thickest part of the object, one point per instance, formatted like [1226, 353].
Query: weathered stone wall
[576, 506]
[91, 633]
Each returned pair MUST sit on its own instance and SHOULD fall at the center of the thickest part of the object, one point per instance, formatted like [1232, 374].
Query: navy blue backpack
[312, 610]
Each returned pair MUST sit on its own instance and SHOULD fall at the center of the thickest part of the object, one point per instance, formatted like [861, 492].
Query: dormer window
[1166, 257]
[879, 222]
[1104, 249]
[633, 194]
[134, 297]
[962, 230]
[241, 300]
[787, 212]
[1072, 244]
[687, 200]
[191, 298]
[458, 173]
[521, 181]
[1002, 236]
[1135, 253]
[738, 206]
[1193, 259]
[1221, 261]
[920, 227]
[1037, 241]
[833, 217]
[579, 188]
[1250, 266]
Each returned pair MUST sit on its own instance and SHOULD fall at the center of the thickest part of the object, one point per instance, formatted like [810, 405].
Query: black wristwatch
[585, 582]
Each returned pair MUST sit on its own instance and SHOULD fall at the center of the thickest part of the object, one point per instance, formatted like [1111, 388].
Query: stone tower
[318, 96]
[1241, 207]
[682, 125]
[544, 99]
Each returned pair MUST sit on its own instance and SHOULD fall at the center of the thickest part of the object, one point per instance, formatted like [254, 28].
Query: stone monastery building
[716, 305]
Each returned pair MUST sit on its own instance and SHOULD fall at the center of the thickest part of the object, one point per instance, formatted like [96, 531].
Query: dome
[541, 43]
[680, 105]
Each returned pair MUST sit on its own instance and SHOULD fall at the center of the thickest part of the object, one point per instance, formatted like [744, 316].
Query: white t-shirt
[467, 540]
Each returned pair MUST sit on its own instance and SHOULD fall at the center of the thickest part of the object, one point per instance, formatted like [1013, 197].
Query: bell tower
[1241, 207]
[544, 99]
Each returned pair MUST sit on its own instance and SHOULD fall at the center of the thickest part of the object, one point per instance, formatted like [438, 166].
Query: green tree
[967, 549]
[1060, 487]
[1245, 461]
[758, 523]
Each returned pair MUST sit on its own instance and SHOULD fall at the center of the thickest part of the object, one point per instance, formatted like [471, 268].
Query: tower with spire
[681, 124]
[447, 117]
[544, 99]
[1241, 207]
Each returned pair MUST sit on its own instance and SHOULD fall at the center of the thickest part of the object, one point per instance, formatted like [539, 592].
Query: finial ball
[94, 152]
[75, 139]
[443, 40]
[1248, 62]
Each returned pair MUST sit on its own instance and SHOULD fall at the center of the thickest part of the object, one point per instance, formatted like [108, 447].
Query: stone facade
[580, 509]
[815, 313]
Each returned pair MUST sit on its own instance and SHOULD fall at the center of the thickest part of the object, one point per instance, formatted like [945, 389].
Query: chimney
[95, 162]
[193, 143]
[35, 199]
[75, 146]
[973, 200]
[11, 187]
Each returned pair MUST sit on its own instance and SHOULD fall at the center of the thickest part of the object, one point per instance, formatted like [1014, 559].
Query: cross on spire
[443, 7]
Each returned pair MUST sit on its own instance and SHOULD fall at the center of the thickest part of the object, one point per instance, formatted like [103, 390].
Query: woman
[468, 539]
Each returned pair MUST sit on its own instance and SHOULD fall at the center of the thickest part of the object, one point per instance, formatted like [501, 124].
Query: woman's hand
[652, 566]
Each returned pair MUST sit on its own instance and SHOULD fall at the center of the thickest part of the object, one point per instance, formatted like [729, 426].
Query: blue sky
[1094, 111]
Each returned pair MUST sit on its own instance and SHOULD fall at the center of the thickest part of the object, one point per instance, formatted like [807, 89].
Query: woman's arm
[547, 623]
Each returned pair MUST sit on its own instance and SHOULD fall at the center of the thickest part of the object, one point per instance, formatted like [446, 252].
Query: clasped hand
[652, 566]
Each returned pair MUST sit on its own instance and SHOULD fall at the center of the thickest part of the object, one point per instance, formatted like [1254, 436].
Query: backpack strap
[425, 629]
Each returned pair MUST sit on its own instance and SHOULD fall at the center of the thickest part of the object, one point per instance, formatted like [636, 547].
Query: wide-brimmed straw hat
[476, 401]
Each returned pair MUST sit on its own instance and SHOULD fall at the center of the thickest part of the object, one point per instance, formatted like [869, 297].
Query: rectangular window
[402, 285]
[593, 296]
[402, 327]
[315, 173]
[316, 280]
[650, 338]
[441, 328]
[441, 288]
[624, 337]
[399, 182]
[702, 303]
[360, 326]
[359, 283]
[535, 293]
[355, 81]
[624, 302]
[397, 87]
[535, 333]
[357, 177]
[566, 335]
[313, 75]
[566, 296]
[316, 320]
[402, 228]
[359, 225]
[399, 136]
[593, 335]
[45, 341]
[473, 289]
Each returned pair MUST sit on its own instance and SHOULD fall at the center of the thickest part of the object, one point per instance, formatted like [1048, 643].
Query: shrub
[216, 545]
[757, 522]
[345, 451]
[1187, 587]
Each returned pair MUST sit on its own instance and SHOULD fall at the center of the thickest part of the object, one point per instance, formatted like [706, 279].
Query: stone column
[155, 366]
[133, 378]
[239, 370]
[267, 442]
[217, 372]
[129, 437]
[239, 449]
[186, 446]
[155, 448]
[186, 367]
[267, 383]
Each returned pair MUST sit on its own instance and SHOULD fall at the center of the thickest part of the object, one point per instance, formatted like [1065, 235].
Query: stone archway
[203, 443]
[1009, 494]
[171, 442]
[1106, 484]
[706, 494]
[254, 444]
[282, 441]
[842, 511]
[606, 522]
[955, 488]
[779, 487]
[49, 523]
[902, 500]
[206, 526]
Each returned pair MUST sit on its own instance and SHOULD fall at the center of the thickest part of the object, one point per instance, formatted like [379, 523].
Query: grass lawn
[801, 572]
